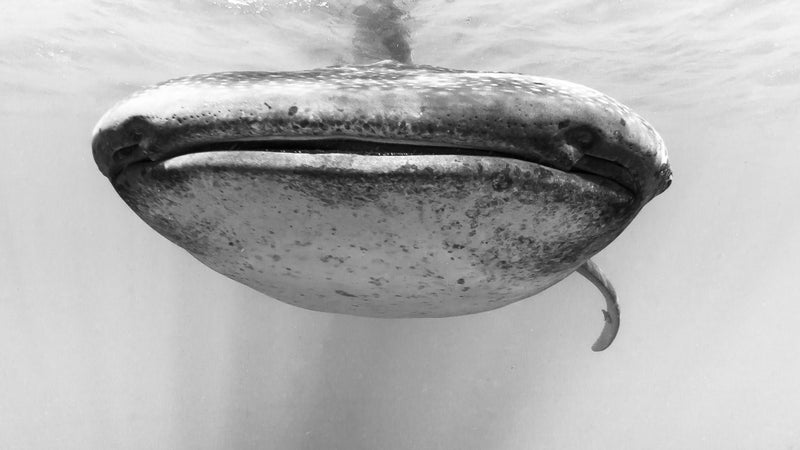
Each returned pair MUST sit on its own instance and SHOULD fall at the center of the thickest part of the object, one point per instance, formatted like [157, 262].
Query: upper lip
[596, 137]
[592, 150]
[122, 157]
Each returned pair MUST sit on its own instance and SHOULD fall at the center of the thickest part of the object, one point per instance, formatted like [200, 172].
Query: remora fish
[385, 190]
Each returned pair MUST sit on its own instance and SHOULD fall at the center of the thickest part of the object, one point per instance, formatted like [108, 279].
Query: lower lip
[380, 236]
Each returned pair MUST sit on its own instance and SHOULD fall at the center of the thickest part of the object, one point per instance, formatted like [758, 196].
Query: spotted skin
[385, 190]
[525, 116]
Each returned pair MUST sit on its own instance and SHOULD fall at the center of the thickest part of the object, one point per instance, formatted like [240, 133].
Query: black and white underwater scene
[399, 224]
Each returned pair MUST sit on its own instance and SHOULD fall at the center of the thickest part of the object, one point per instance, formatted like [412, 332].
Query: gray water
[111, 337]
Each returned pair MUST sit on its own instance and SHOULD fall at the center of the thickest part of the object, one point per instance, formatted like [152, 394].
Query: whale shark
[388, 189]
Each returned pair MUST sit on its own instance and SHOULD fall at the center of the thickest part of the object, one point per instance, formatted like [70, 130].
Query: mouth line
[589, 166]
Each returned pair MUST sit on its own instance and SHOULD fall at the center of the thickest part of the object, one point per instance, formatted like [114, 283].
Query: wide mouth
[588, 166]
[386, 109]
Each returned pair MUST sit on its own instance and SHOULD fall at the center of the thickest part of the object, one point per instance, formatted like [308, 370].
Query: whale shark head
[386, 190]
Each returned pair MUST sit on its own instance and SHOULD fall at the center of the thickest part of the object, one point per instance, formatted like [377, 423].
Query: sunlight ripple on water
[685, 55]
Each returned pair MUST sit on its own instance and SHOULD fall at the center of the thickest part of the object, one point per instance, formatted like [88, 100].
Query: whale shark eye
[582, 138]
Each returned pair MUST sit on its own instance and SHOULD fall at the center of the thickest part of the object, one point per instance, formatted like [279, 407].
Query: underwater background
[112, 337]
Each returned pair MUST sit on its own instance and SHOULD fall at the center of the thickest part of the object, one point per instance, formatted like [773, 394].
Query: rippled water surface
[111, 337]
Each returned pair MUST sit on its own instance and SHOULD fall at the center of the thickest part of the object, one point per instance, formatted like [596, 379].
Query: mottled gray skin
[386, 190]
[552, 122]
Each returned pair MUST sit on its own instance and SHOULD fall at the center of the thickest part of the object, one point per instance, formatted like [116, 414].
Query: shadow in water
[381, 33]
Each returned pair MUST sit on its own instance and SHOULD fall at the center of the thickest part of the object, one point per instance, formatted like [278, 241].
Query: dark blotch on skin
[502, 181]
